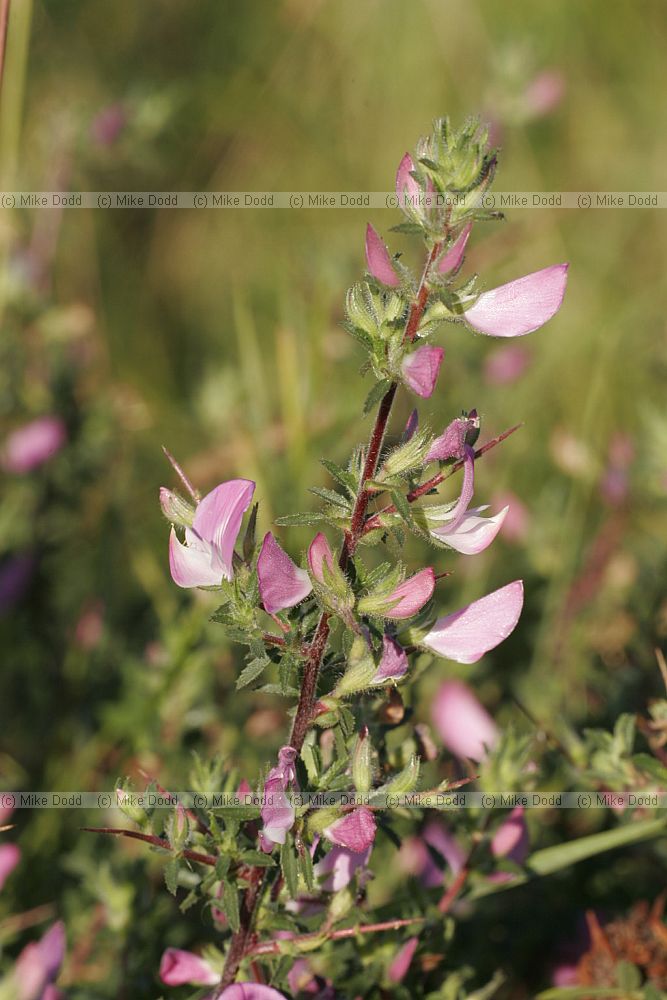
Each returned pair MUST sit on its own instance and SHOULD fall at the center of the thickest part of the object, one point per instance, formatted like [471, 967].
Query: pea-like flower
[420, 369]
[354, 831]
[278, 812]
[206, 558]
[463, 724]
[378, 260]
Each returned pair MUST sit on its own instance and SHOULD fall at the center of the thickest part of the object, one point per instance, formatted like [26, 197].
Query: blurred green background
[216, 333]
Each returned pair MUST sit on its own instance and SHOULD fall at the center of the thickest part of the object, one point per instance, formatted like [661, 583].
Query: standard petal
[394, 662]
[378, 259]
[463, 724]
[319, 553]
[411, 595]
[520, 306]
[355, 831]
[466, 635]
[218, 517]
[193, 567]
[406, 186]
[454, 255]
[420, 369]
[178, 968]
[473, 534]
[340, 865]
[281, 583]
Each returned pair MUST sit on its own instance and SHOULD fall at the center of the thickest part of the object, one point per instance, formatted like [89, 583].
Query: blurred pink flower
[466, 635]
[15, 576]
[90, 626]
[10, 855]
[452, 259]
[615, 481]
[108, 124]
[354, 831]
[517, 521]
[301, 980]
[250, 991]
[398, 969]
[39, 963]
[207, 556]
[520, 306]
[544, 93]
[281, 583]
[378, 260]
[178, 968]
[506, 364]
[464, 726]
[420, 369]
[278, 812]
[30, 446]
[511, 838]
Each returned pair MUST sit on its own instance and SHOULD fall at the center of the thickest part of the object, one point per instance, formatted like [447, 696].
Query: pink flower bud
[464, 726]
[33, 444]
[281, 583]
[452, 259]
[511, 838]
[207, 556]
[398, 969]
[408, 597]
[378, 260]
[520, 306]
[355, 831]
[39, 963]
[467, 634]
[320, 553]
[406, 186]
[420, 369]
[451, 443]
[178, 968]
[393, 664]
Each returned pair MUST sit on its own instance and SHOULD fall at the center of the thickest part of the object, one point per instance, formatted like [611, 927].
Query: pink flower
[278, 812]
[421, 368]
[410, 596]
[451, 443]
[281, 583]
[10, 855]
[511, 838]
[506, 364]
[520, 306]
[471, 535]
[410, 427]
[340, 865]
[178, 967]
[320, 554]
[250, 991]
[544, 93]
[393, 664]
[301, 980]
[39, 963]
[207, 556]
[33, 444]
[15, 576]
[108, 124]
[464, 726]
[467, 634]
[355, 831]
[517, 522]
[407, 187]
[452, 259]
[400, 965]
[378, 260]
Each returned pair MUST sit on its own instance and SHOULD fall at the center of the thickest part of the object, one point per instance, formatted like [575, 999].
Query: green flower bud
[362, 768]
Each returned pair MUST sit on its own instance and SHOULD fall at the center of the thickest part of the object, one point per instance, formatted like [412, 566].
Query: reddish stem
[149, 838]
[273, 947]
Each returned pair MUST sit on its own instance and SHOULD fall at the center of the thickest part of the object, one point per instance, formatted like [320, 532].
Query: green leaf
[375, 395]
[288, 866]
[649, 765]
[628, 976]
[409, 228]
[331, 497]
[306, 517]
[283, 690]
[346, 479]
[553, 859]
[250, 673]
[359, 335]
[171, 875]
[586, 992]
[305, 866]
[230, 905]
[258, 859]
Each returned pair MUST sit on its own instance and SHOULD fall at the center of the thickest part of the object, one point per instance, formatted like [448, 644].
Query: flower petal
[193, 567]
[178, 967]
[320, 552]
[406, 186]
[411, 595]
[355, 831]
[420, 369]
[340, 865]
[520, 306]
[473, 534]
[378, 259]
[400, 965]
[218, 517]
[394, 662]
[451, 443]
[463, 724]
[30, 446]
[281, 583]
[467, 634]
[454, 255]
[511, 838]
